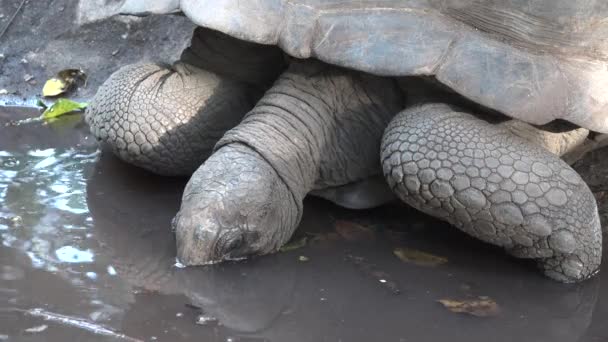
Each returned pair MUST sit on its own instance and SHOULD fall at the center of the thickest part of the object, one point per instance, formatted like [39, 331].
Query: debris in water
[323, 238]
[481, 306]
[303, 258]
[179, 264]
[77, 323]
[352, 231]
[37, 329]
[206, 320]
[370, 270]
[293, 245]
[62, 107]
[419, 258]
[16, 221]
[111, 270]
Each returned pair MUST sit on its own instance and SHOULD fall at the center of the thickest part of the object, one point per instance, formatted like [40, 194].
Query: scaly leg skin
[317, 127]
[166, 119]
[495, 186]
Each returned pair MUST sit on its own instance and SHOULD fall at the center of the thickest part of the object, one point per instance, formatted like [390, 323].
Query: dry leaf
[419, 258]
[292, 245]
[62, 82]
[352, 231]
[480, 307]
[323, 238]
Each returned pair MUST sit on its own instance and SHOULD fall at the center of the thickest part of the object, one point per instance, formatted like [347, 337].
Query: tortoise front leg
[495, 186]
[166, 119]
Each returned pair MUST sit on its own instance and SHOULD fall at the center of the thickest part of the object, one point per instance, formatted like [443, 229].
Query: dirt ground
[47, 36]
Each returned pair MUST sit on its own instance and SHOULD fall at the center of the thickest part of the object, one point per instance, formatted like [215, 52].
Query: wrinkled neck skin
[318, 126]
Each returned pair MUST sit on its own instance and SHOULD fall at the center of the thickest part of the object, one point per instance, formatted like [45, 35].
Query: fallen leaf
[352, 231]
[62, 107]
[41, 104]
[54, 87]
[480, 307]
[292, 245]
[62, 82]
[419, 258]
[323, 238]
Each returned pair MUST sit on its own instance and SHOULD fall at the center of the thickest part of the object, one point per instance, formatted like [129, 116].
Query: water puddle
[87, 254]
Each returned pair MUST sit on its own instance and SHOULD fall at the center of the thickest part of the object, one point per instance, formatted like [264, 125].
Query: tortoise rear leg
[495, 186]
[166, 119]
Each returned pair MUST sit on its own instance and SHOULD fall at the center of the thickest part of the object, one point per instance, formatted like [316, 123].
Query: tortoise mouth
[201, 241]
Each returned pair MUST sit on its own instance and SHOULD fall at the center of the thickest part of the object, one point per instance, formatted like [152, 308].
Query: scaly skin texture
[494, 186]
[166, 119]
[317, 127]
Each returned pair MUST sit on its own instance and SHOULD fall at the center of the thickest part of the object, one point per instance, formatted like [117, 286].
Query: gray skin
[166, 119]
[495, 186]
[318, 130]
[318, 127]
[487, 181]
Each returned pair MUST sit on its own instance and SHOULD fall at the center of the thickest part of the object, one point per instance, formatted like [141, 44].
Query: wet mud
[87, 254]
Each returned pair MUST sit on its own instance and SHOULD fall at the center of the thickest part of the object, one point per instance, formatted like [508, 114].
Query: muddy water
[87, 255]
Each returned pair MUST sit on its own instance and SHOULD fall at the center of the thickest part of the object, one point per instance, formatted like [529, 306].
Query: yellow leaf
[63, 81]
[419, 258]
[480, 307]
[54, 87]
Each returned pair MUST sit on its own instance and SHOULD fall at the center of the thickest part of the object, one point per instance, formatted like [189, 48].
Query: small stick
[12, 18]
[75, 322]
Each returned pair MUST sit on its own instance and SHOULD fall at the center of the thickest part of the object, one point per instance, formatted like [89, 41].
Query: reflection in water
[89, 238]
[74, 255]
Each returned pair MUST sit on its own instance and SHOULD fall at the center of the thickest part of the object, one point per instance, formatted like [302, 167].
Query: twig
[74, 322]
[12, 18]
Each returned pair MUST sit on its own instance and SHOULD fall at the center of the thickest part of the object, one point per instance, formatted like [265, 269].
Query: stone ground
[47, 36]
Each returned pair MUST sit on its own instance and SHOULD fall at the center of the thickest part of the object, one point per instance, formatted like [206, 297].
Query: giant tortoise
[277, 99]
